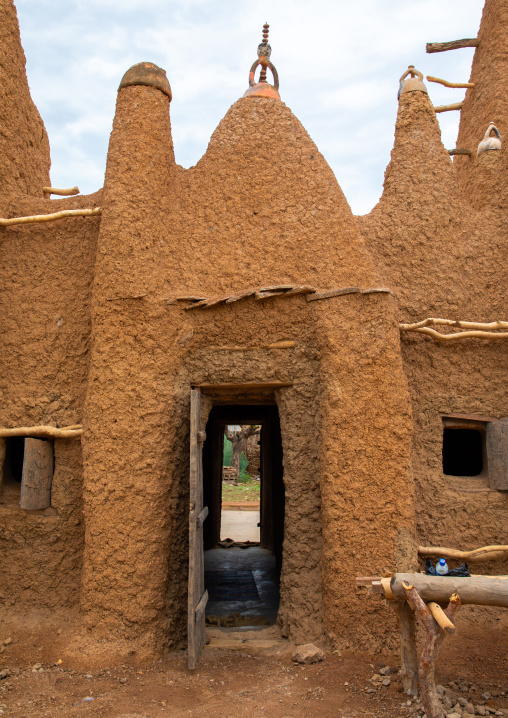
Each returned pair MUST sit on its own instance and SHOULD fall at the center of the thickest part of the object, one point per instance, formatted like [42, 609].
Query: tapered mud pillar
[126, 441]
[415, 230]
[24, 145]
[366, 487]
[484, 177]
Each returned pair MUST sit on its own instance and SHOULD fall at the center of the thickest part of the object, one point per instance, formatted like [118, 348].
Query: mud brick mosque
[372, 351]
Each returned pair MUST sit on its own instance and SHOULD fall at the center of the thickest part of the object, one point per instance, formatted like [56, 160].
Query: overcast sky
[339, 65]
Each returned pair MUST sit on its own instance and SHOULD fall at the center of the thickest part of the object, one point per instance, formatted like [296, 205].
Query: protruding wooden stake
[441, 617]
[450, 84]
[448, 108]
[61, 192]
[452, 45]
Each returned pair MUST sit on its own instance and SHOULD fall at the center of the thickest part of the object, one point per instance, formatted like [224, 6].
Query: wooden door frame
[197, 596]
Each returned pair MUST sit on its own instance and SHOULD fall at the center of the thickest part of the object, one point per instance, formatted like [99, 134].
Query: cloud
[339, 65]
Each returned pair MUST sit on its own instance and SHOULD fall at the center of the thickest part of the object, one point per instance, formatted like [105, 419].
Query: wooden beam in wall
[452, 45]
[245, 387]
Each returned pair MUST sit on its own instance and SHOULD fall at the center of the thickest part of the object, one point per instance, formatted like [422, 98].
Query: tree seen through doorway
[238, 439]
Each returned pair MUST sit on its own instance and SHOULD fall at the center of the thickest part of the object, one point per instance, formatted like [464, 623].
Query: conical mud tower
[140, 322]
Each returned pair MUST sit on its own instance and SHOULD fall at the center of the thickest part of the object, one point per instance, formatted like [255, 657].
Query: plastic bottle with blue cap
[441, 567]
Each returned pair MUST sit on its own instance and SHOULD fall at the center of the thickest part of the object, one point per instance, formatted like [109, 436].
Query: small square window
[463, 451]
[27, 472]
[476, 447]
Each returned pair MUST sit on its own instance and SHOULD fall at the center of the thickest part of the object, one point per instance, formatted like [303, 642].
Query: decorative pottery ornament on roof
[413, 83]
[490, 141]
[262, 88]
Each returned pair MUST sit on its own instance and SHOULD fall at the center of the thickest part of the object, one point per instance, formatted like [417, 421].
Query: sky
[339, 65]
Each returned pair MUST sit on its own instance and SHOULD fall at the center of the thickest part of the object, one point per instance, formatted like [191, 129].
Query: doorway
[242, 571]
[241, 485]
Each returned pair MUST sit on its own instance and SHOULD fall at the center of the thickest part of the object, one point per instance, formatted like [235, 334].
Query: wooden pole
[441, 617]
[460, 335]
[51, 432]
[433, 640]
[478, 330]
[448, 108]
[461, 324]
[459, 85]
[50, 217]
[62, 192]
[485, 553]
[408, 655]
[452, 45]
[479, 590]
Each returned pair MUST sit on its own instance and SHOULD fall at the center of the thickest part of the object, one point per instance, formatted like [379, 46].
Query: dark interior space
[462, 451]
[244, 582]
[12, 470]
[13, 462]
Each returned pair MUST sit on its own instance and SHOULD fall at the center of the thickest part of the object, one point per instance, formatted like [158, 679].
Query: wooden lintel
[245, 387]
[460, 151]
[452, 45]
[467, 417]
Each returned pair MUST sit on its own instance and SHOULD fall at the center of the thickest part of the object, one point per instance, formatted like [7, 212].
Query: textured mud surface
[24, 144]
[40, 677]
[92, 333]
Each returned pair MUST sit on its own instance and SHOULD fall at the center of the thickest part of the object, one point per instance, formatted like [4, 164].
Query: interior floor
[243, 587]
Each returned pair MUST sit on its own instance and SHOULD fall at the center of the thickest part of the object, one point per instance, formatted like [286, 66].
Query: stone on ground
[309, 653]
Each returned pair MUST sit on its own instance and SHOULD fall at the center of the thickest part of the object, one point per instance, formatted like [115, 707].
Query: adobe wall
[141, 593]
[467, 378]
[242, 217]
[444, 258]
[41, 551]
[47, 275]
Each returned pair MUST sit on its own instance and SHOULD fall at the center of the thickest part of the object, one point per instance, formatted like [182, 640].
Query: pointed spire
[484, 178]
[262, 88]
[24, 145]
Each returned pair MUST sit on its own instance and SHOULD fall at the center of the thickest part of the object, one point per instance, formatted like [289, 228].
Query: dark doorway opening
[243, 579]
